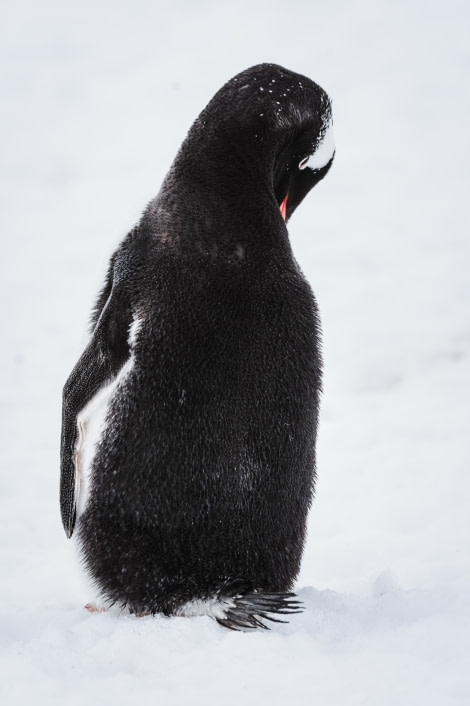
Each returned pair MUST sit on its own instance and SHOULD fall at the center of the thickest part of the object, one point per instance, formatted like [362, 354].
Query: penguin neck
[220, 198]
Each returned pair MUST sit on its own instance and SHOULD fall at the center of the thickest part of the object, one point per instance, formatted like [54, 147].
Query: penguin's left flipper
[100, 363]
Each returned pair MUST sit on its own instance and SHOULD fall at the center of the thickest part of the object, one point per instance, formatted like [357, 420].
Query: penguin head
[306, 153]
[283, 121]
[265, 138]
[290, 117]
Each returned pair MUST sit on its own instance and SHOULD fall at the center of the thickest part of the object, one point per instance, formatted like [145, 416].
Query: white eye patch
[323, 153]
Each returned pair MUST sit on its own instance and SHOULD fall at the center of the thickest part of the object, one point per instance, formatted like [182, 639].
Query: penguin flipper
[106, 353]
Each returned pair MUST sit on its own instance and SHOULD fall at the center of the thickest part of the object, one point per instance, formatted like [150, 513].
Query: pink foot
[93, 608]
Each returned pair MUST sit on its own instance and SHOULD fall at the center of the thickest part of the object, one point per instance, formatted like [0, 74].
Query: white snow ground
[96, 98]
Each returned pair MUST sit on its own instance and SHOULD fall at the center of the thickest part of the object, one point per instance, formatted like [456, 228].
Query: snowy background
[96, 99]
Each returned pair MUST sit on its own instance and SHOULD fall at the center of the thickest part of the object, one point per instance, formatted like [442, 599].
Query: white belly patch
[91, 422]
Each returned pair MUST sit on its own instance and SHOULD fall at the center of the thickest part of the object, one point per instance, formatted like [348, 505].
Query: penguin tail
[251, 609]
[239, 607]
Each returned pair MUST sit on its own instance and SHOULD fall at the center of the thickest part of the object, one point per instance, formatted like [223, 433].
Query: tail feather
[248, 610]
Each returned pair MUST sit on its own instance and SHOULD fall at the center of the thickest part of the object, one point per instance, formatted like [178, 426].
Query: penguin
[190, 420]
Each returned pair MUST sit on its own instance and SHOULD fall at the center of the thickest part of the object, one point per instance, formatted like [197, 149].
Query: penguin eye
[303, 162]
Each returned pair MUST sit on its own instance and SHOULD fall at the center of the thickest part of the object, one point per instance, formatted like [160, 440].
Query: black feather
[205, 470]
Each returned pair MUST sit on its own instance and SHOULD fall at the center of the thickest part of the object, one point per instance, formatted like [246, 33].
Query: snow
[97, 98]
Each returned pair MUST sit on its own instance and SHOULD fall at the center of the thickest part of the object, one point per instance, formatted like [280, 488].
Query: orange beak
[283, 207]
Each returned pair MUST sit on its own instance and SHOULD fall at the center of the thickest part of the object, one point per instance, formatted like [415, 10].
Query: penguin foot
[94, 608]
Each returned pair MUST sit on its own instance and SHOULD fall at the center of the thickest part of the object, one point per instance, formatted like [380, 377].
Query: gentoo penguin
[189, 422]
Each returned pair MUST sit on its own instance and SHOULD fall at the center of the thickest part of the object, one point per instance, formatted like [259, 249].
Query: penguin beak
[283, 207]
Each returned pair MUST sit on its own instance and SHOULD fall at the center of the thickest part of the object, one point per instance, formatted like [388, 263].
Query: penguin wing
[106, 354]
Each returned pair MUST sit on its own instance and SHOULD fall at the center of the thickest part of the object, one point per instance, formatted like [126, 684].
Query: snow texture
[96, 99]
